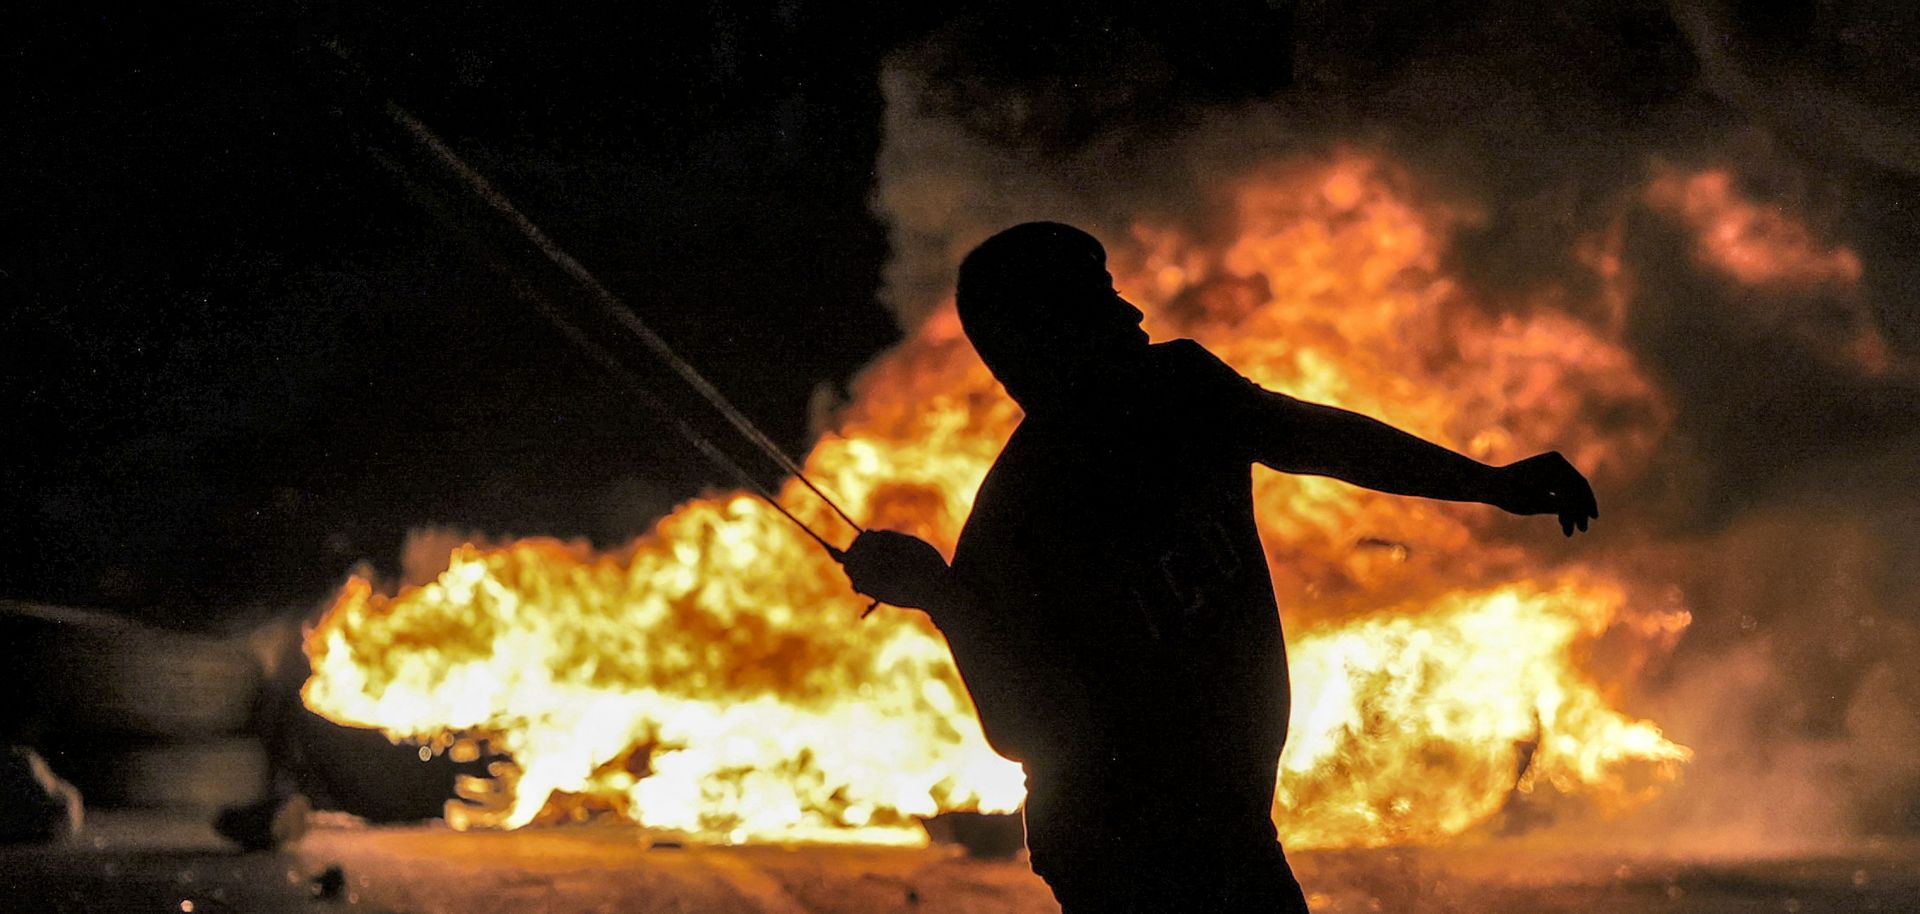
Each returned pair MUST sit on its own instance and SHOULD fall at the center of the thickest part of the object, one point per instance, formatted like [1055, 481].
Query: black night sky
[255, 336]
[248, 355]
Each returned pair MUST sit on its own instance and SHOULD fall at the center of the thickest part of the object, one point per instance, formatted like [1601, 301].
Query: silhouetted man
[1109, 605]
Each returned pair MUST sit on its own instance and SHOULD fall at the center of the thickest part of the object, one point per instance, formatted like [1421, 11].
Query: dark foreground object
[135, 863]
[157, 862]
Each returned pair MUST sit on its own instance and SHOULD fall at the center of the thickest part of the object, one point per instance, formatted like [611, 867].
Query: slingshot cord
[700, 442]
[620, 311]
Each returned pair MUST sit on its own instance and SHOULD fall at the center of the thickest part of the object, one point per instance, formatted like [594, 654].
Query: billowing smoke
[1733, 198]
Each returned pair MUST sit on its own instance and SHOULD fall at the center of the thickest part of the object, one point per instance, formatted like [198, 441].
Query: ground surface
[131, 863]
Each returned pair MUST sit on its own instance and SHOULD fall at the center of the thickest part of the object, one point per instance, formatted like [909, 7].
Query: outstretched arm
[1299, 437]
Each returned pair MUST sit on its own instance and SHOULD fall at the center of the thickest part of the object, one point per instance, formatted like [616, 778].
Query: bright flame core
[716, 678]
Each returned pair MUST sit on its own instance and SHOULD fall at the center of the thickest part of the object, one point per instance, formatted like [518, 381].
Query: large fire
[716, 676]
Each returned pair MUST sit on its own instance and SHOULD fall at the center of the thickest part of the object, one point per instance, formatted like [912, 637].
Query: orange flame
[715, 677]
[1756, 244]
[1815, 286]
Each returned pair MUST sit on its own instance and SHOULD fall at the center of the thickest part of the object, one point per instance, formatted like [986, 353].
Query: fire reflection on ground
[606, 869]
[135, 862]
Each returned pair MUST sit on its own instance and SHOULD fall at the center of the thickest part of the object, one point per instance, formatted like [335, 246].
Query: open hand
[896, 568]
[1546, 484]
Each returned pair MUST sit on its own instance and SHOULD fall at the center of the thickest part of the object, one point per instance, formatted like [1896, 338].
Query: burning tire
[363, 773]
[335, 767]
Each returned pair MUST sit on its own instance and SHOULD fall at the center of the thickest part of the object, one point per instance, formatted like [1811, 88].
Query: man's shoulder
[1182, 349]
[1187, 361]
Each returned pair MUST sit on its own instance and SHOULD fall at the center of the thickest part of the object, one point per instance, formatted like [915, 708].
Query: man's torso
[1123, 530]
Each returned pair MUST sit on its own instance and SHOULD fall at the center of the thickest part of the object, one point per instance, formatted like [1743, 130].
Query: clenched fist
[895, 568]
[1545, 484]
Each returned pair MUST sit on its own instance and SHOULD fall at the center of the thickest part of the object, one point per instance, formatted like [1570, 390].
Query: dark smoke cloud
[1782, 503]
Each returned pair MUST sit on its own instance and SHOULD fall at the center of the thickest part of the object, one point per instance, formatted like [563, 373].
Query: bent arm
[1295, 436]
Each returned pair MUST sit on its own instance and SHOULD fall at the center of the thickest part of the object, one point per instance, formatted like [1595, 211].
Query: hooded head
[1038, 304]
